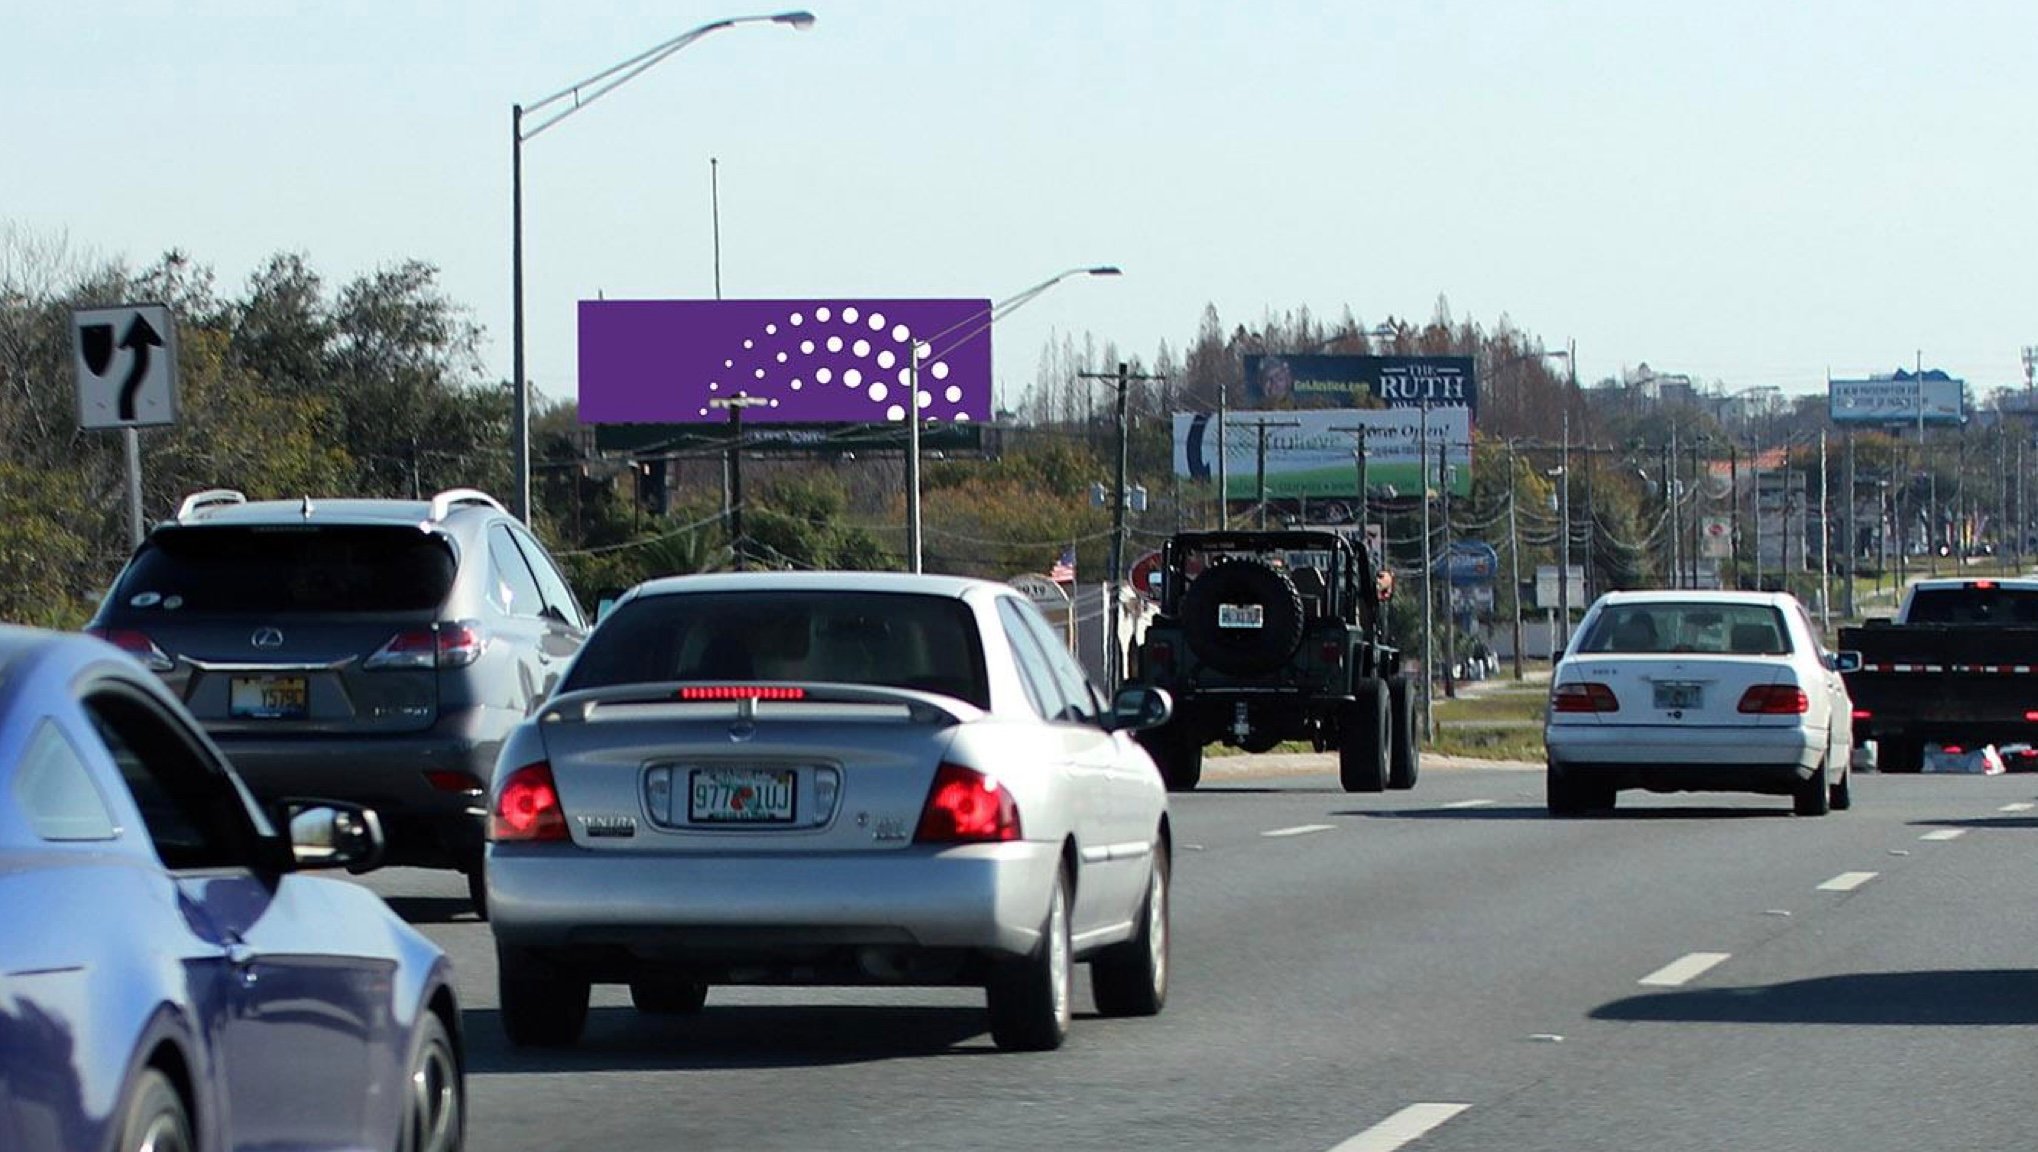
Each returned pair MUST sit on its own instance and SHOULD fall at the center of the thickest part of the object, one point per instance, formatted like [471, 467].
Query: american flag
[1064, 570]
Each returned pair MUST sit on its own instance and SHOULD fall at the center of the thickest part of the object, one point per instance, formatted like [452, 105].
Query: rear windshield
[1736, 629]
[288, 568]
[1973, 605]
[893, 640]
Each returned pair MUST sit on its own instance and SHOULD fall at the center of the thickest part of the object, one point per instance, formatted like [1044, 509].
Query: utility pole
[1825, 544]
[1849, 528]
[1263, 424]
[1450, 610]
[733, 510]
[1223, 463]
[1429, 730]
[1514, 557]
[1114, 658]
[1563, 540]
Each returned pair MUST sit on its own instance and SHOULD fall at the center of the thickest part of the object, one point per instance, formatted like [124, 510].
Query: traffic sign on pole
[126, 357]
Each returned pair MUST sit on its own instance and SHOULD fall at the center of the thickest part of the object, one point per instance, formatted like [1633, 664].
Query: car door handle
[241, 958]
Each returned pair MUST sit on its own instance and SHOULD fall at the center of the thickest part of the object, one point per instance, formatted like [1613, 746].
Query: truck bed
[1938, 682]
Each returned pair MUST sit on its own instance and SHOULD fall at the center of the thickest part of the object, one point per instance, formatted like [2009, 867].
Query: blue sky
[1745, 190]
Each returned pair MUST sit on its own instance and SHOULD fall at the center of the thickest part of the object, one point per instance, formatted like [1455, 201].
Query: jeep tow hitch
[1240, 729]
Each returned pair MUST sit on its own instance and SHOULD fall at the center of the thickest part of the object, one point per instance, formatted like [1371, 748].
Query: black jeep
[1270, 636]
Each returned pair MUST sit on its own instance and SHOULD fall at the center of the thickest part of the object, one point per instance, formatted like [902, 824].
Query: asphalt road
[1445, 969]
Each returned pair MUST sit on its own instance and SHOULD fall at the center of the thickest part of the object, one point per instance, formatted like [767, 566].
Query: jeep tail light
[454, 644]
[527, 809]
[1160, 655]
[138, 645]
[1775, 700]
[967, 806]
[1332, 652]
[1583, 697]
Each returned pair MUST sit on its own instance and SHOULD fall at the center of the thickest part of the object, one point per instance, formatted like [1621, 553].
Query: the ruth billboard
[1318, 381]
[1895, 399]
[808, 361]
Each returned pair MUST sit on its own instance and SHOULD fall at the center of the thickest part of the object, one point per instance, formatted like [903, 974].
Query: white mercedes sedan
[1696, 691]
[829, 779]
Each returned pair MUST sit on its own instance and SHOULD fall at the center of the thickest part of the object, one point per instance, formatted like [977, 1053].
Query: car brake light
[1984, 585]
[2031, 716]
[742, 692]
[527, 808]
[455, 644]
[1865, 714]
[1160, 655]
[453, 780]
[1775, 700]
[967, 806]
[138, 645]
[1583, 697]
[1333, 652]
[1952, 749]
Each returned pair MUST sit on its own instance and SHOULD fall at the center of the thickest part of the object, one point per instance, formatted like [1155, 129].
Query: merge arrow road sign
[126, 358]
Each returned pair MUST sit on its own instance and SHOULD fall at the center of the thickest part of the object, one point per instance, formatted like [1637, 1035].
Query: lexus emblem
[267, 638]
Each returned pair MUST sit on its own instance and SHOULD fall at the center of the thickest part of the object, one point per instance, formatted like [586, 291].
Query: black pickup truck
[1958, 664]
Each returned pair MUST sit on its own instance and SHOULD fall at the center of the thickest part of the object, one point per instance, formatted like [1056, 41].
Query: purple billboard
[808, 361]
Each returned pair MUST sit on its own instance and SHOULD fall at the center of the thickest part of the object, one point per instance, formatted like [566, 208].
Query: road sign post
[126, 360]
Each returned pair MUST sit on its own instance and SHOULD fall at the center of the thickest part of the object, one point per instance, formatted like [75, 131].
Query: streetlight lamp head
[1103, 270]
[799, 20]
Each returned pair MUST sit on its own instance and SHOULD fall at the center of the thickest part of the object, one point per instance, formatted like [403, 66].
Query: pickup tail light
[1775, 700]
[527, 810]
[966, 806]
[1865, 714]
[454, 644]
[1580, 696]
[137, 644]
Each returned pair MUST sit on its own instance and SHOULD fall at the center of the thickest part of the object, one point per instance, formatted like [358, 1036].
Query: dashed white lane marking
[1847, 881]
[1301, 830]
[1469, 804]
[1678, 972]
[2023, 807]
[1945, 834]
[1401, 1129]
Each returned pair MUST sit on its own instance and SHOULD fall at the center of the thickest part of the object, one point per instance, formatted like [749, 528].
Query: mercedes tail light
[1775, 700]
[455, 644]
[1583, 697]
[528, 809]
[137, 644]
[966, 806]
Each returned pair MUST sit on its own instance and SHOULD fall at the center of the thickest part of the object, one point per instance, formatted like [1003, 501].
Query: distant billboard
[1895, 399]
[808, 361]
[1309, 452]
[1362, 381]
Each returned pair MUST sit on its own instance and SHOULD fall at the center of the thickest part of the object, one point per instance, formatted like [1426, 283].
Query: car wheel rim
[1157, 924]
[163, 1134]
[1058, 955]
[434, 1123]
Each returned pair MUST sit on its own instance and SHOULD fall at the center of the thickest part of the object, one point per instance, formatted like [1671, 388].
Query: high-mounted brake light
[454, 644]
[138, 645]
[1775, 700]
[742, 692]
[528, 807]
[1580, 696]
[1984, 585]
[966, 806]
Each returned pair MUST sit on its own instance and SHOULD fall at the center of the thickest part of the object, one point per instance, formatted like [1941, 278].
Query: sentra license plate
[740, 796]
[1676, 697]
[1241, 616]
[268, 698]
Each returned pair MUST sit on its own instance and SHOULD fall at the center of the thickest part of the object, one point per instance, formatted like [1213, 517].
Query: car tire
[1028, 998]
[435, 1096]
[541, 1007]
[1899, 755]
[1404, 761]
[1364, 730]
[1842, 796]
[155, 1118]
[1177, 754]
[1566, 795]
[1131, 979]
[1813, 796]
[668, 997]
[477, 890]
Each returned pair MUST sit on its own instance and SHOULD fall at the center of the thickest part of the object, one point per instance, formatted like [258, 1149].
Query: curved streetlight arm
[635, 66]
[982, 321]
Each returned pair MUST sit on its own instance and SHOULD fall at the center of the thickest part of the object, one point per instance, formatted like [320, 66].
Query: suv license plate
[1241, 615]
[1675, 696]
[740, 796]
[268, 698]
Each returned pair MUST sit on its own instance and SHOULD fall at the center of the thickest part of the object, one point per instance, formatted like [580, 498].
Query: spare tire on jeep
[1242, 616]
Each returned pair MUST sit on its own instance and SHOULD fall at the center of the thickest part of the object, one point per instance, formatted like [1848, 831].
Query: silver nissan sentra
[829, 779]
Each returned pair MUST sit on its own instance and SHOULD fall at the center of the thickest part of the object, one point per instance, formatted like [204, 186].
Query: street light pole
[739, 544]
[596, 86]
[924, 349]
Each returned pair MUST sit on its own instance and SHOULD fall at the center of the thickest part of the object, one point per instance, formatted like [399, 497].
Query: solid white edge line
[1847, 881]
[1401, 1129]
[1679, 971]
[1468, 804]
[1945, 834]
[1301, 830]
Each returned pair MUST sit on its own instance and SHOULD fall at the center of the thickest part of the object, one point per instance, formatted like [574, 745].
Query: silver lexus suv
[376, 651]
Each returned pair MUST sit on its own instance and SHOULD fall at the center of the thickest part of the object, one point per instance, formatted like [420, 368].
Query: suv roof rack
[210, 498]
[451, 498]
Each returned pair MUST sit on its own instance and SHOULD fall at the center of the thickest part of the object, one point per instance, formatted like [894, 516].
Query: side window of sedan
[55, 789]
[194, 815]
[1033, 671]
